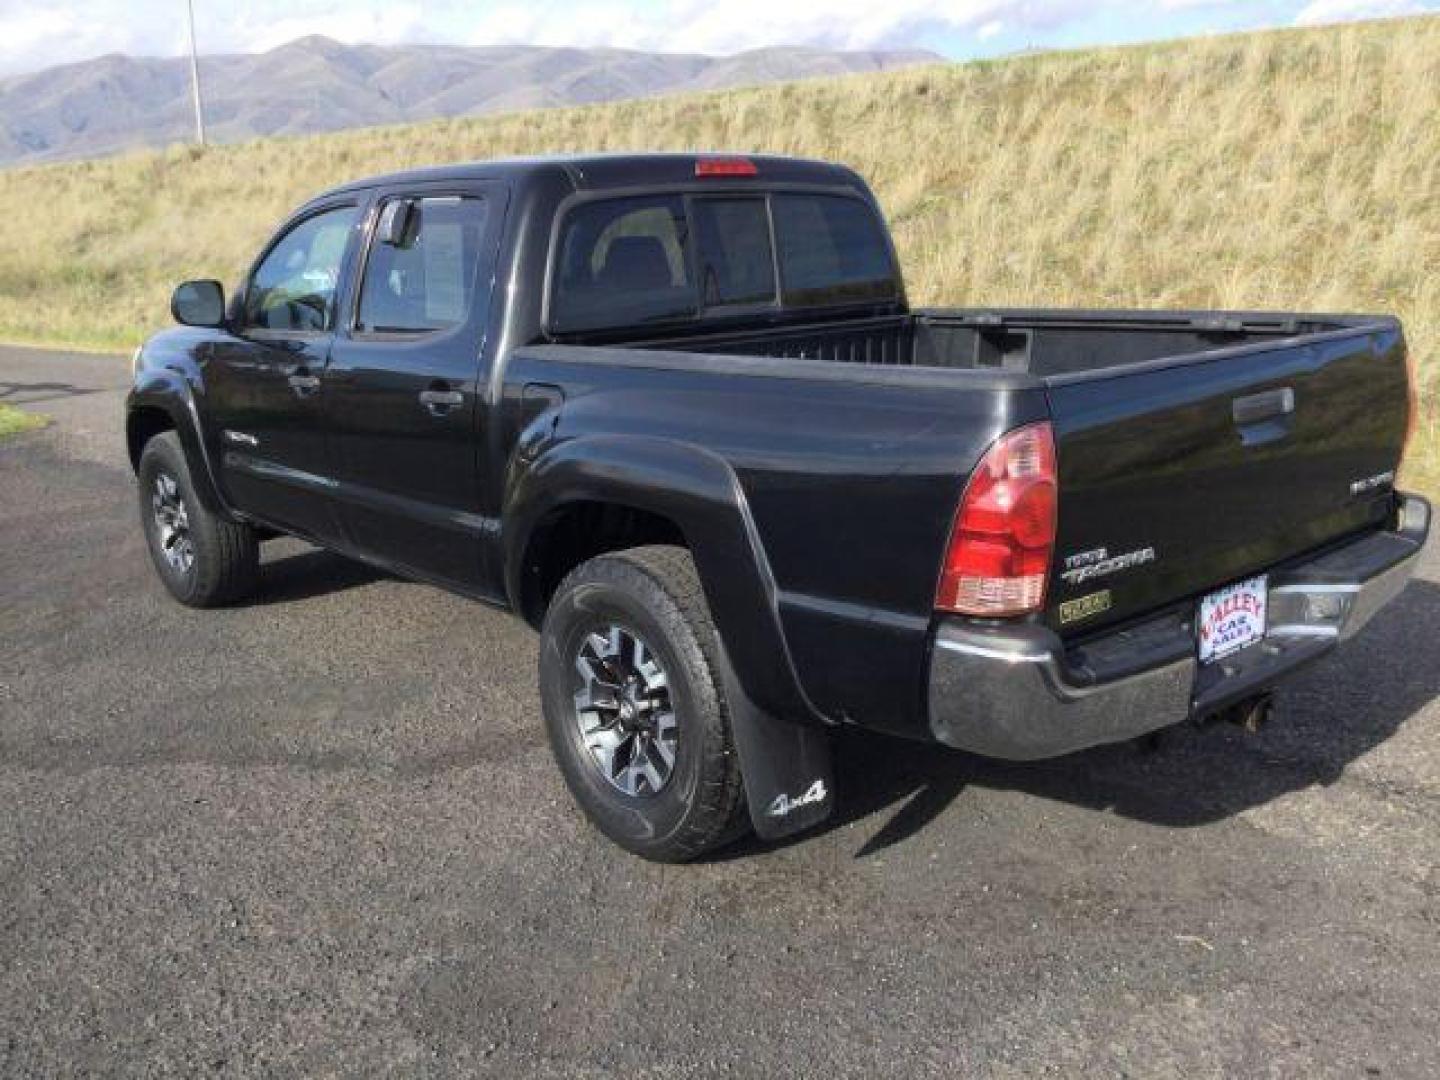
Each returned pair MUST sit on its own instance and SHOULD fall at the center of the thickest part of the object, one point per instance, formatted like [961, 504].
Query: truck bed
[1034, 341]
[1195, 448]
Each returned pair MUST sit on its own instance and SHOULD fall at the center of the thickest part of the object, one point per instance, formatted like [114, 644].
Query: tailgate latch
[1264, 417]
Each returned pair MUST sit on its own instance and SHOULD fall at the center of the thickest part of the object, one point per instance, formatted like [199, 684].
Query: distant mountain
[117, 102]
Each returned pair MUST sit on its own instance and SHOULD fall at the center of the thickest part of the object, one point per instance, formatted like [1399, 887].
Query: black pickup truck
[675, 412]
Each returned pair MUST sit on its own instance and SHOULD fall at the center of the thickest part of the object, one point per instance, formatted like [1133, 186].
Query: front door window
[295, 286]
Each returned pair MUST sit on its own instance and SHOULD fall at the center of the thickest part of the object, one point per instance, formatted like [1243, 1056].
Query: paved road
[321, 835]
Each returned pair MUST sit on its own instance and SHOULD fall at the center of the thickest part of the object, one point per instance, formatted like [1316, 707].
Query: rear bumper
[1019, 693]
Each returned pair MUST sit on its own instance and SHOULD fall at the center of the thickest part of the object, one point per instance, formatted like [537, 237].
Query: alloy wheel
[624, 711]
[172, 523]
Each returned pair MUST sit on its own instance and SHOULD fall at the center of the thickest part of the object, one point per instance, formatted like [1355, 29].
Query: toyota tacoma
[675, 412]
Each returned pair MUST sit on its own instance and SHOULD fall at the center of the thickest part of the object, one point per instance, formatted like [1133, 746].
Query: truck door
[404, 388]
[265, 381]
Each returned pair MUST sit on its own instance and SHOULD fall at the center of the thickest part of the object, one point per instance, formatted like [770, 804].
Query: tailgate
[1179, 476]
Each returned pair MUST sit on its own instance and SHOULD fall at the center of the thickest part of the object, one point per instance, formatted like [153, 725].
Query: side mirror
[399, 223]
[199, 303]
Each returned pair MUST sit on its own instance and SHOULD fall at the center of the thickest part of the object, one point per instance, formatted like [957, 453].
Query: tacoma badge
[1089, 565]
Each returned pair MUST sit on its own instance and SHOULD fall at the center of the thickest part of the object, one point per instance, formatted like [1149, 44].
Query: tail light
[1004, 532]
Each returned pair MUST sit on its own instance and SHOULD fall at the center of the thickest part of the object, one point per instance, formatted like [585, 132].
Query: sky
[40, 33]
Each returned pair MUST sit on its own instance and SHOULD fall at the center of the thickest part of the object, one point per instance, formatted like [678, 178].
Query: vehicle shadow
[1325, 718]
[310, 573]
[18, 393]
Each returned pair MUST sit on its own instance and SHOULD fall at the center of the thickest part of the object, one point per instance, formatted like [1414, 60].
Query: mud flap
[786, 765]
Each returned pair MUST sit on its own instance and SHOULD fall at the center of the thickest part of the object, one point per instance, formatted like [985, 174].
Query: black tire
[225, 555]
[653, 593]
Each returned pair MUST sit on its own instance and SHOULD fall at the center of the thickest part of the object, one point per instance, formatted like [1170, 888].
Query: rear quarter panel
[850, 475]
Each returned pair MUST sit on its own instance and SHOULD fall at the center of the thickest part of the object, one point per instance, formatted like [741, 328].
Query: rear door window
[623, 262]
[428, 282]
[737, 263]
[832, 251]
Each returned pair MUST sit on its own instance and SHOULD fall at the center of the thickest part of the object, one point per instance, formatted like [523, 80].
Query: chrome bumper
[1018, 693]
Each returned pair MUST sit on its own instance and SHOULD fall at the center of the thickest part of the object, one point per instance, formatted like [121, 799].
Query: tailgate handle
[1266, 406]
[1264, 417]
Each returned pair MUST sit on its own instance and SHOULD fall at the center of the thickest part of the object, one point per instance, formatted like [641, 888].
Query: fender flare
[169, 393]
[700, 493]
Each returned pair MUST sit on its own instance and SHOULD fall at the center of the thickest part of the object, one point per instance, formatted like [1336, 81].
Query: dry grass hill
[1294, 169]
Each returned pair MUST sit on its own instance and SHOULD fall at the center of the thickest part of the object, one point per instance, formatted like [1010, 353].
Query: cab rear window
[832, 251]
[637, 261]
[737, 265]
[623, 262]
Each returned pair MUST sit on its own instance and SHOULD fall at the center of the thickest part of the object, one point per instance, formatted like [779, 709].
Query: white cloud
[710, 27]
[389, 25]
[39, 33]
[1329, 11]
[1194, 5]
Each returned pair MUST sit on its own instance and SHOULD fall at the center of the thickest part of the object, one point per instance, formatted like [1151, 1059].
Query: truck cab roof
[615, 171]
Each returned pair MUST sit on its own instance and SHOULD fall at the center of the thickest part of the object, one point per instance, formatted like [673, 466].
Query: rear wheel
[203, 559]
[634, 705]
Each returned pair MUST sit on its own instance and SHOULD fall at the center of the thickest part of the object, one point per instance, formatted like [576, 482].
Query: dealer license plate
[1232, 618]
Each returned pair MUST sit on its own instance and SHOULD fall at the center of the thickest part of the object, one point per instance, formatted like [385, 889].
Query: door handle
[304, 384]
[439, 402]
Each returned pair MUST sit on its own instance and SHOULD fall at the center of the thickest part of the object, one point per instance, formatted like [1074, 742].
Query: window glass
[832, 250]
[294, 286]
[736, 263]
[622, 262]
[427, 283]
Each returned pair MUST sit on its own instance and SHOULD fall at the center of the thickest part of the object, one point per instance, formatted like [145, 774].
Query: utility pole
[195, 77]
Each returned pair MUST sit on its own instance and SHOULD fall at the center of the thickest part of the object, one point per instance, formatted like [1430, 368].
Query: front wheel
[203, 559]
[635, 708]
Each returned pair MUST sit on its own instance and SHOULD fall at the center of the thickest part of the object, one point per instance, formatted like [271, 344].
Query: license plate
[1232, 618]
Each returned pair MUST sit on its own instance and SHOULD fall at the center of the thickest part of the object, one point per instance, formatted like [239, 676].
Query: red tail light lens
[1004, 533]
[725, 167]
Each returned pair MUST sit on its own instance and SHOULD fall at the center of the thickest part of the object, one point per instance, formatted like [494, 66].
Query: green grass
[13, 421]
[1292, 170]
